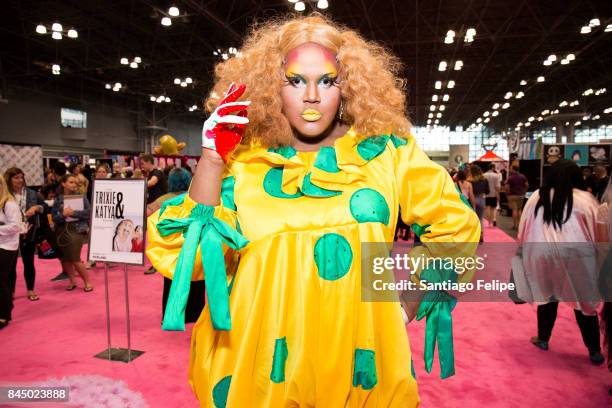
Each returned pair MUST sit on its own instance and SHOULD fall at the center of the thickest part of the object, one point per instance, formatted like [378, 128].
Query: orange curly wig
[369, 79]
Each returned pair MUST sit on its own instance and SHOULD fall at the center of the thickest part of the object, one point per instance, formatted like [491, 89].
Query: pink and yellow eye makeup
[311, 74]
[295, 63]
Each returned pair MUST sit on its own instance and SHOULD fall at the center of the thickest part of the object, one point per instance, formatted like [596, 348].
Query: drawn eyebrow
[294, 75]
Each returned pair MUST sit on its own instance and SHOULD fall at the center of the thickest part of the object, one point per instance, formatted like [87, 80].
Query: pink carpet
[53, 341]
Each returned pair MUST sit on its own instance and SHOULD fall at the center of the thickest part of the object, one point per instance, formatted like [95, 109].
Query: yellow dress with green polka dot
[300, 334]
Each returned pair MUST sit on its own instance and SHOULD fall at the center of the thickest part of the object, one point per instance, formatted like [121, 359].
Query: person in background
[179, 180]
[492, 198]
[601, 181]
[155, 178]
[588, 179]
[480, 189]
[517, 188]
[31, 206]
[138, 174]
[70, 229]
[82, 183]
[557, 232]
[465, 187]
[117, 172]
[128, 172]
[604, 222]
[102, 171]
[11, 227]
[49, 177]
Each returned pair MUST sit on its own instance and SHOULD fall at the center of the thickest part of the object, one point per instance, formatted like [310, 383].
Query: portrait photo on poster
[128, 236]
[118, 221]
[578, 153]
[599, 154]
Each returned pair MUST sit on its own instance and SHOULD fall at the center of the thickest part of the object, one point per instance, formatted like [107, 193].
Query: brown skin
[311, 90]
[311, 82]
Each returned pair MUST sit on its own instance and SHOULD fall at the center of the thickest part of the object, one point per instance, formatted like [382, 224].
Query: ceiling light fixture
[322, 4]
[166, 21]
[300, 6]
[442, 66]
[446, 97]
[451, 84]
[458, 65]
[174, 11]
[450, 37]
[523, 82]
[41, 29]
[541, 79]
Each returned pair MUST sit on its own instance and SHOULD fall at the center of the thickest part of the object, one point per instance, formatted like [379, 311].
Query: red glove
[222, 132]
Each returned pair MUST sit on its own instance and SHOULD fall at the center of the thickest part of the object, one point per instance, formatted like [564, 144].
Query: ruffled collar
[333, 167]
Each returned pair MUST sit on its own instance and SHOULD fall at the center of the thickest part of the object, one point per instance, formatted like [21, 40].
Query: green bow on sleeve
[210, 233]
[437, 306]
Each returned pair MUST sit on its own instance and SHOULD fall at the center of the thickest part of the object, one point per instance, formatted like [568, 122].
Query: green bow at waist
[437, 306]
[210, 233]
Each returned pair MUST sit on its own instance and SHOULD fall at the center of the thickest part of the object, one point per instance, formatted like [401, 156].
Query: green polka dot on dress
[219, 393]
[333, 256]
[369, 205]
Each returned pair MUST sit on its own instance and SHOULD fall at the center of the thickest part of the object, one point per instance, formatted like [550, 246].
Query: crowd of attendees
[35, 221]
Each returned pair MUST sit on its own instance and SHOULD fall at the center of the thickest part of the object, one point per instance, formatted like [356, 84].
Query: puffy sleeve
[163, 249]
[184, 235]
[431, 204]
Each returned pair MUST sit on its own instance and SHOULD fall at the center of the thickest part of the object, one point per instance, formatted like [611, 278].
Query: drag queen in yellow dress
[276, 214]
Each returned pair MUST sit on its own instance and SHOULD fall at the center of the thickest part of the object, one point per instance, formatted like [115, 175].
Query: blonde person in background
[11, 227]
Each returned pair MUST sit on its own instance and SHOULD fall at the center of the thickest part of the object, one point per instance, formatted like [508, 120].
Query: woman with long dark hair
[557, 231]
[31, 206]
[71, 228]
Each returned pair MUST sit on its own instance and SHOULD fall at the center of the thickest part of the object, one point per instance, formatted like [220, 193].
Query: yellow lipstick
[311, 115]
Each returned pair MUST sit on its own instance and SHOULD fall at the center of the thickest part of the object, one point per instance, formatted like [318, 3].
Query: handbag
[46, 250]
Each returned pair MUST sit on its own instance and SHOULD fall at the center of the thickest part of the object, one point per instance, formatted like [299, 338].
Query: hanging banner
[118, 221]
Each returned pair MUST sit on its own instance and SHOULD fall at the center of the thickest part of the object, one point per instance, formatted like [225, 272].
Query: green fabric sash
[210, 233]
[437, 306]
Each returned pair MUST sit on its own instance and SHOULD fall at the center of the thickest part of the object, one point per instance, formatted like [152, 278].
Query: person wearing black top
[155, 178]
[601, 182]
[480, 187]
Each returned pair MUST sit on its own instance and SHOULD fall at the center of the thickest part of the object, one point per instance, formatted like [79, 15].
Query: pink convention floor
[52, 342]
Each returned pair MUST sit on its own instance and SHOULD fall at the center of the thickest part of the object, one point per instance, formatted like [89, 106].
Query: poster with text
[118, 221]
